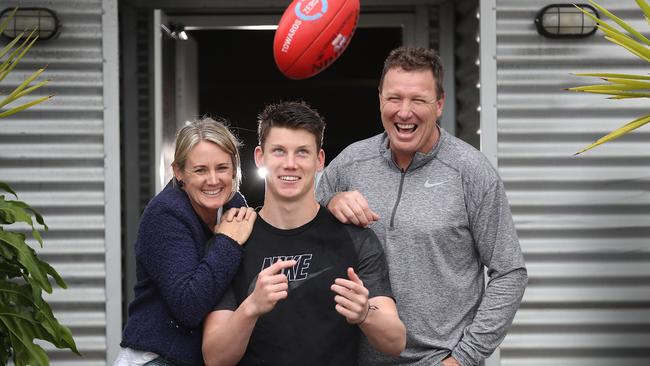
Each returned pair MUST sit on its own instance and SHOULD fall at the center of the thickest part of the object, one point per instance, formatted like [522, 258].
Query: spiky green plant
[24, 315]
[621, 86]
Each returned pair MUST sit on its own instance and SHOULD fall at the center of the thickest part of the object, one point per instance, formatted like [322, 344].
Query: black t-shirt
[304, 328]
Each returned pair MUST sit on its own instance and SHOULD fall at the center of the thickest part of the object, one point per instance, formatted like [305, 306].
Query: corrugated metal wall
[53, 156]
[583, 222]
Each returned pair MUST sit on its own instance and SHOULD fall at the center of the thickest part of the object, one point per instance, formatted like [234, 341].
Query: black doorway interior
[238, 76]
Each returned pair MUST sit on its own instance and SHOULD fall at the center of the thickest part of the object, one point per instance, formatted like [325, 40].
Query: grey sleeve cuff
[462, 357]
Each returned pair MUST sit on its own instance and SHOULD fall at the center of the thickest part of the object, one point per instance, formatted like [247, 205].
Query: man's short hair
[295, 115]
[415, 59]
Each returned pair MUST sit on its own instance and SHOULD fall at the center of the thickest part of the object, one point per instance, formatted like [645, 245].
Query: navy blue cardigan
[182, 270]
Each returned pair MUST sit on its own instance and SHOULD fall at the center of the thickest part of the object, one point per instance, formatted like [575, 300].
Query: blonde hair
[208, 129]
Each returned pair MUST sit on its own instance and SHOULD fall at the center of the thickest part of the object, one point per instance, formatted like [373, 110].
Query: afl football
[312, 34]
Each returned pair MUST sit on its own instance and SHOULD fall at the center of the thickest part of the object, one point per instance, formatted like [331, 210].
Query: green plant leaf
[23, 294]
[630, 126]
[24, 106]
[644, 7]
[606, 87]
[4, 23]
[625, 41]
[620, 93]
[616, 36]
[7, 212]
[8, 47]
[61, 336]
[617, 97]
[18, 54]
[21, 335]
[629, 44]
[30, 89]
[638, 84]
[49, 328]
[54, 274]
[27, 258]
[19, 90]
[621, 23]
[599, 22]
[29, 208]
[620, 76]
[5, 187]
[9, 270]
[14, 212]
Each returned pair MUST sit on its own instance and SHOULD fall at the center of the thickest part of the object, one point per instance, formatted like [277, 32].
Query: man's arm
[349, 207]
[352, 208]
[499, 249]
[377, 317]
[226, 333]
[383, 327]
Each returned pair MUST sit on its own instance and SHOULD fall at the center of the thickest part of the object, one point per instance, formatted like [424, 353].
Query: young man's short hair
[293, 115]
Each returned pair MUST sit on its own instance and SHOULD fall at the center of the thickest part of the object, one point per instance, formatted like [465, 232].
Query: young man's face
[291, 160]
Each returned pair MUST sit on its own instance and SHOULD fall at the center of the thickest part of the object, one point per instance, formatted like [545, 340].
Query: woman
[186, 255]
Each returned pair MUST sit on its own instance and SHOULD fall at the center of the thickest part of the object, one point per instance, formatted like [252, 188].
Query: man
[321, 283]
[440, 211]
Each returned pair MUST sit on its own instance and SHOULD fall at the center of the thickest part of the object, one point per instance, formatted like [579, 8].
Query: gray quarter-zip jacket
[442, 221]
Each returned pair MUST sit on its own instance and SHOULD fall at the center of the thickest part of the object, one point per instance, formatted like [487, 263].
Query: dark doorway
[237, 77]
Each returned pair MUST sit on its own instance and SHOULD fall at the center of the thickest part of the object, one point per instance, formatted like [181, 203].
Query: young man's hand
[351, 298]
[271, 286]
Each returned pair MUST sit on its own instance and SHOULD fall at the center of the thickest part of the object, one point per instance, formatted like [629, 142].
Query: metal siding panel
[53, 155]
[583, 222]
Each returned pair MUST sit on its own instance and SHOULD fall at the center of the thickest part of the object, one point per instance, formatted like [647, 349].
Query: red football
[312, 34]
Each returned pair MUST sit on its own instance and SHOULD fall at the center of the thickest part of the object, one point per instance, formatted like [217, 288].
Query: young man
[441, 209]
[308, 285]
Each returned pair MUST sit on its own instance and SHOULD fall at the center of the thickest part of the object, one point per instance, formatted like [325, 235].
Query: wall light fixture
[28, 19]
[565, 21]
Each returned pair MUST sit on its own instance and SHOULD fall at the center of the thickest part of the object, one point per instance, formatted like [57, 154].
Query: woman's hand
[237, 223]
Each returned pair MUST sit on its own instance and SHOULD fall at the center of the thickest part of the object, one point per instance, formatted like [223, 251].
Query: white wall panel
[583, 222]
[54, 157]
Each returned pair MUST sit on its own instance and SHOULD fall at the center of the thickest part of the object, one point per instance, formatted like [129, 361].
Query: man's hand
[271, 287]
[237, 223]
[352, 207]
[450, 361]
[352, 298]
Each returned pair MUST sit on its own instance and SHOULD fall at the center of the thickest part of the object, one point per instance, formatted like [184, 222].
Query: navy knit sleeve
[236, 201]
[190, 281]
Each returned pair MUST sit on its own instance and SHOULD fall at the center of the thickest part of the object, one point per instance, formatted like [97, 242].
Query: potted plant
[24, 315]
[621, 86]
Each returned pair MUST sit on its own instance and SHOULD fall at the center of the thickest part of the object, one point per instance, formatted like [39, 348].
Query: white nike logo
[429, 185]
[292, 284]
[295, 284]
